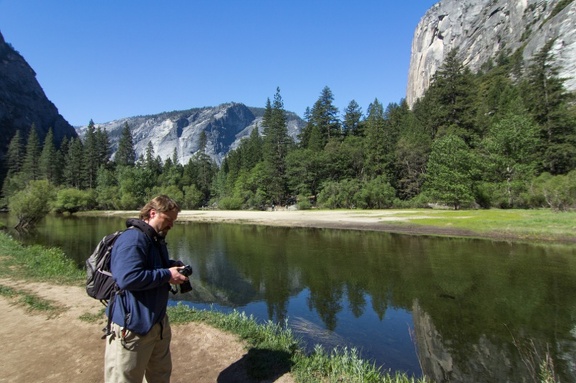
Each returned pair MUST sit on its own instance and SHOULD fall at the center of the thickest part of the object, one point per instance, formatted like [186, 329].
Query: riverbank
[507, 225]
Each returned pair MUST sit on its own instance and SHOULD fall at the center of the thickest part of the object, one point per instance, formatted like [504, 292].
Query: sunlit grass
[37, 263]
[93, 317]
[538, 225]
[30, 301]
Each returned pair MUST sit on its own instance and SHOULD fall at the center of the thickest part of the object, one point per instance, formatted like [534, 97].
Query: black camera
[186, 286]
[186, 270]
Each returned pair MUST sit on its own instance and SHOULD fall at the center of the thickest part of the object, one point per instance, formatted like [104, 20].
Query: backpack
[99, 281]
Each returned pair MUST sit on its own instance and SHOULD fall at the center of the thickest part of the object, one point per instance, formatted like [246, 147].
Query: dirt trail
[65, 349]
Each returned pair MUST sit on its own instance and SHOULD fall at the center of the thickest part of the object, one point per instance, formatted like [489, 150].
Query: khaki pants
[130, 359]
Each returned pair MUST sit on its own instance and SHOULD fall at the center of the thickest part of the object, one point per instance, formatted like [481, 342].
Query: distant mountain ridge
[225, 125]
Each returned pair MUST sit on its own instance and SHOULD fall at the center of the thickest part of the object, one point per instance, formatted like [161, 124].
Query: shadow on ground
[258, 365]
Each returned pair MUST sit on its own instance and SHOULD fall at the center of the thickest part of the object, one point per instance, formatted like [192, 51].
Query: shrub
[72, 200]
[32, 204]
[230, 203]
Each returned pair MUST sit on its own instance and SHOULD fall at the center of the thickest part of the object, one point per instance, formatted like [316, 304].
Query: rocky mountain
[481, 29]
[23, 102]
[224, 125]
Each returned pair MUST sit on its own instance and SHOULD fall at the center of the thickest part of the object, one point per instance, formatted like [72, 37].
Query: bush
[108, 197]
[193, 198]
[32, 204]
[558, 192]
[350, 194]
[375, 194]
[230, 203]
[303, 203]
[72, 200]
[339, 195]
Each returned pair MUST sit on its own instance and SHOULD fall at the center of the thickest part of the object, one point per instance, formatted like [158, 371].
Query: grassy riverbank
[542, 225]
[272, 348]
[530, 225]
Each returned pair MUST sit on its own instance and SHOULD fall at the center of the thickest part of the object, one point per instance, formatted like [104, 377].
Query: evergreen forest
[504, 137]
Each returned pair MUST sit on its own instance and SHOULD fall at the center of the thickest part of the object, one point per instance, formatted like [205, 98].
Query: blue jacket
[140, 265]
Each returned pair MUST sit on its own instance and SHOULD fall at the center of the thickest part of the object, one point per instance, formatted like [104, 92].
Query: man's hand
[177, 278]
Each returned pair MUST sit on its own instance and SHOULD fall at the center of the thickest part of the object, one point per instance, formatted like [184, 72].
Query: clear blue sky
[108, 59]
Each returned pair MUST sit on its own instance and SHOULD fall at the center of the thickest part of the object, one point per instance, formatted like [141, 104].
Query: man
[138, 345]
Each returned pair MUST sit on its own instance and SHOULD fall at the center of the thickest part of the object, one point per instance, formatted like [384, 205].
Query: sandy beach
[393, 221]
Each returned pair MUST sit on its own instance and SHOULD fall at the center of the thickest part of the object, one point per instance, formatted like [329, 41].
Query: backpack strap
[108, 329]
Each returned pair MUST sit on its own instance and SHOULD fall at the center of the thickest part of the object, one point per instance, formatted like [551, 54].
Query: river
[465, 310]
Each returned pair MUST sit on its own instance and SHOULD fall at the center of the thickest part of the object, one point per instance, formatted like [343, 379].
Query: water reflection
[460, 308]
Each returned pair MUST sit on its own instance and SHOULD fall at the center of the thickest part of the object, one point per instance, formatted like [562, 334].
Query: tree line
[504, 137]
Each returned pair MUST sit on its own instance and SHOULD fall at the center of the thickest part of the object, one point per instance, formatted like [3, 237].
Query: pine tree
[175, 156]
[15, 154]
[150, 162]
[252, 150]
[547, 101]
[411, 154]
[352, 119]
[375, 140]
[14, 180]
[125, 155]
[74, 170]
[206, 171]
[276, 143]
[50, 162]
[103, 146]
[91, 155]
[30, 167]
[453, 101]
[323, 122]
[202, 141]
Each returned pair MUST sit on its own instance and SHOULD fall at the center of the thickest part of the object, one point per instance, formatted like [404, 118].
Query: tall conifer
[125, 155]
[276, 143]
[50, 162]
[352, 119]
[30, 167]
[15, 154]
[74, 169]
[91, 155]
[547, 101]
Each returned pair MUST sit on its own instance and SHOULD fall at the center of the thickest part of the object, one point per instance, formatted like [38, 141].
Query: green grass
[37, 263]
[526, 225]
[343, 365]
[93, 317]
[32, 264]
[31, 302]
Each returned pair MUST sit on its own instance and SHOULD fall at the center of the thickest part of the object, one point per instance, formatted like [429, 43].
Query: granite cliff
[481, 29]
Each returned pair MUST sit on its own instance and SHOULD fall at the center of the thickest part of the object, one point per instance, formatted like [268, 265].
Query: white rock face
[224, 126]
[480, 29]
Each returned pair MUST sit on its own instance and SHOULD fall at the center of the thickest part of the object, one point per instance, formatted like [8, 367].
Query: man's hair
[161, 203]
